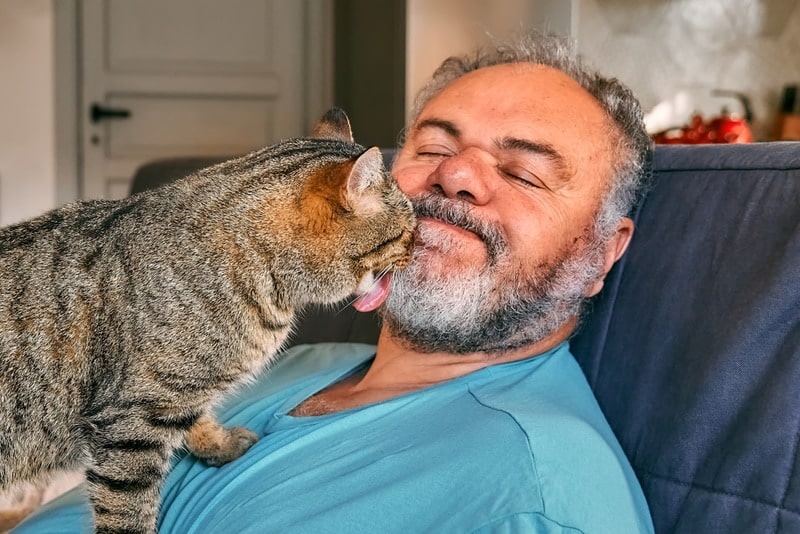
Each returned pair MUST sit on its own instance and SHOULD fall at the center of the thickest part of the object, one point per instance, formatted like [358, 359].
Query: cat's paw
[239, 439]
[217, 445]
[243, 438]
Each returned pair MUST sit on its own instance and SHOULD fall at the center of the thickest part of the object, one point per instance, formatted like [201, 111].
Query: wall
[27, 111]
[369, 67]
[436, 29]
[663, 47]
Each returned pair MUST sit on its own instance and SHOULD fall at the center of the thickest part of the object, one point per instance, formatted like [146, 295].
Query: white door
[166, 78]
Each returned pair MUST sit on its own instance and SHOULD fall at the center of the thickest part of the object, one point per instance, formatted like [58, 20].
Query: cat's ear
[357, 195]
[334, 125]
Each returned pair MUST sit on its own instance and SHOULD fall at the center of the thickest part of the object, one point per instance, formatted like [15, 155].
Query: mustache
[460, 213]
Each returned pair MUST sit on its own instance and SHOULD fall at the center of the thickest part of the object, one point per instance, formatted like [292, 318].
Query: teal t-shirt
[517, 447]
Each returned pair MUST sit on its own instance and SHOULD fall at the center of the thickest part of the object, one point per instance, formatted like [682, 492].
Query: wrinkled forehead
[529, 102]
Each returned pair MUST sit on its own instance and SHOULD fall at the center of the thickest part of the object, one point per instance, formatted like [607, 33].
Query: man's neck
[398, 370]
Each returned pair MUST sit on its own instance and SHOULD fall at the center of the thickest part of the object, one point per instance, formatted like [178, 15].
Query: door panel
[197, 77]
[190, 36]
[209, 126]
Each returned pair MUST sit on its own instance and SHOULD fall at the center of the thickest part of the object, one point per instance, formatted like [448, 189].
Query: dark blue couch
[693, 347]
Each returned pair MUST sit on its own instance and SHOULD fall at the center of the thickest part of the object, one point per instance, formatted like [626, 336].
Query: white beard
[491, 308]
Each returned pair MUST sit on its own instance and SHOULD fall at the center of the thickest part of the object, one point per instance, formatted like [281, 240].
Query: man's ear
[615, 248]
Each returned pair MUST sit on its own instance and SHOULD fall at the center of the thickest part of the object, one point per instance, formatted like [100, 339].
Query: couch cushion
[693, 347]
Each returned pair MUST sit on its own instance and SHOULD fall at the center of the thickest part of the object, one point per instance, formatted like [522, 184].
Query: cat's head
[348, 224]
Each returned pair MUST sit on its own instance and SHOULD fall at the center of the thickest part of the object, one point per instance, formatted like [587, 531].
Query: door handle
[98, 112]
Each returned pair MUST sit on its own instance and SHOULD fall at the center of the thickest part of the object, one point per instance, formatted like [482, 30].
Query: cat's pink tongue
[375, 296]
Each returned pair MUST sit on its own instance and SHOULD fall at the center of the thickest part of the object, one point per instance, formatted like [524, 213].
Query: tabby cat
[123, 322]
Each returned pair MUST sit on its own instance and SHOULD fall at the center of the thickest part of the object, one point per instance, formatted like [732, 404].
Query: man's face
[507, 166]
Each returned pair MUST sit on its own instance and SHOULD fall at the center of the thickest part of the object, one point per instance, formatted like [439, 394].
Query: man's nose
[466, 176]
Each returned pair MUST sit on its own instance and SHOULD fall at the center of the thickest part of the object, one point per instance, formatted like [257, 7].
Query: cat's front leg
[124, 485]
[217, 445]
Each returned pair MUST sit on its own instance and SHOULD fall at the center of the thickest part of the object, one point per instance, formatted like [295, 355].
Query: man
[472, 416]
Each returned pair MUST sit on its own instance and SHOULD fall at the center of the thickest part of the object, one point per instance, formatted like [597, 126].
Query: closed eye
[522, 177]
[434, 151]
[380, 246]
[391, 240]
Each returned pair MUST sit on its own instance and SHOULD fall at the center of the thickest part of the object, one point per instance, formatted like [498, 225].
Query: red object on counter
[722, 129]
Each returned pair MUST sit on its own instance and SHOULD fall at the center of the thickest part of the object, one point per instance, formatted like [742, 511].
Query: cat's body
[123, 322]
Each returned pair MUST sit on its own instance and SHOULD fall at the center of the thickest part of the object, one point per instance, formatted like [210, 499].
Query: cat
[123, 322]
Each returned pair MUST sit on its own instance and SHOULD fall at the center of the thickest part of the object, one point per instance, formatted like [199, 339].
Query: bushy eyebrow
[536, 148]
[440, 124]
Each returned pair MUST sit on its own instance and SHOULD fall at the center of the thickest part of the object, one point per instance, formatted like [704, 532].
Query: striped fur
[123, 322]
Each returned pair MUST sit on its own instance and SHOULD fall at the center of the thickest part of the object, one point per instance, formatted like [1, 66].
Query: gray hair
[632, 147]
